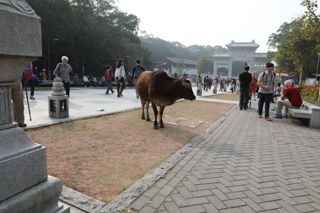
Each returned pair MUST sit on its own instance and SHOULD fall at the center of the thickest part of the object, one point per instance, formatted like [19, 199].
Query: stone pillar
[215, 70]
[230, 69]
[24, 183]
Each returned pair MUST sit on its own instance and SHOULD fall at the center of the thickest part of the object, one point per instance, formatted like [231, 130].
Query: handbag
[257, 89]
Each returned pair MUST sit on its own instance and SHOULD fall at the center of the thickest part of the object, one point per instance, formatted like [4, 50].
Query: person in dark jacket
[137, 70]
[245, 79]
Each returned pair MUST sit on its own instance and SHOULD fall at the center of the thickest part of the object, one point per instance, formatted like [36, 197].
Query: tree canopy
[296, 49]
[93, 33]
[204, 63]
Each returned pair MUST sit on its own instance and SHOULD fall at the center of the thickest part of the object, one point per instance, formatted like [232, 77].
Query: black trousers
[265, 98]
[66, 87]
[31, 83]
[121, 81]
[244, 98]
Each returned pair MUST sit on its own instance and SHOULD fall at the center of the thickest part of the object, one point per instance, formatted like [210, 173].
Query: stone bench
[309, 111]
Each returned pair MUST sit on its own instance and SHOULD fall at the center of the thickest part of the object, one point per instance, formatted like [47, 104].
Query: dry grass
[231, 97]
[103, 156]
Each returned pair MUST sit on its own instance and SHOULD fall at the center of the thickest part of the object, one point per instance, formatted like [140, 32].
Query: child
[108, 76]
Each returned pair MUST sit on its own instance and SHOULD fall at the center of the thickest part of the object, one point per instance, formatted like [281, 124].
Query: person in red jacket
[291, 93]
[108, 76]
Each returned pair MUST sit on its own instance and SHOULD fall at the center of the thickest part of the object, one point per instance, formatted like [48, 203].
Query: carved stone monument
[24, 183]
[58, 101]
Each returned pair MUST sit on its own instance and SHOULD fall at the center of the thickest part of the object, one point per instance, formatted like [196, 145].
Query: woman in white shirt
[120, 76]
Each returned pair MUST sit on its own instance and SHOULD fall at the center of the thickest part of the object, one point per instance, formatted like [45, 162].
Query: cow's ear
[187, 85]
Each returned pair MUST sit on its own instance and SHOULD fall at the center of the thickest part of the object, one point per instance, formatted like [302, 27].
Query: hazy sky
[213, 22]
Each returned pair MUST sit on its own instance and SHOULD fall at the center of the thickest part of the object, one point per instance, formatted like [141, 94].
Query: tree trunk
[300, 80]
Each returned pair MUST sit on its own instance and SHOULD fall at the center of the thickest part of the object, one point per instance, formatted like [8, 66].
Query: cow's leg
[147, 109]
[155, 111]
[160, 115]
[142, 104]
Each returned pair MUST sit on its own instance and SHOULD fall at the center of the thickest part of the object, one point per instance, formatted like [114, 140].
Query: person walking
[253, 87]
[120, 76]
[233, 85]
[108, 76]
[28, 74]
[137, 70]
[245, 79]
[266, 84]
[63, 69]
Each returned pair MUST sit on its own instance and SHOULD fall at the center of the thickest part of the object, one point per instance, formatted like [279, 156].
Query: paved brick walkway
[246, 165]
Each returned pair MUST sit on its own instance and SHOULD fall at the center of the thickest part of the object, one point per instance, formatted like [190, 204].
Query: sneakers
[285, 116]
[259, 116]
[32, 98]
[268, 118]
[277, 116]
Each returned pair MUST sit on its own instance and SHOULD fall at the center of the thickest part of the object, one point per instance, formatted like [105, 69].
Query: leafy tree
[93, 33]
[203, 64]
[282, 59]
[299, 48]
[296, 50]
[312, 20]
[180, 65]
[162, 49]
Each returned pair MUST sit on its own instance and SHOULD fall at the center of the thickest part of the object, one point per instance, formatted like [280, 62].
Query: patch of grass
[230, 97]
[102, 157]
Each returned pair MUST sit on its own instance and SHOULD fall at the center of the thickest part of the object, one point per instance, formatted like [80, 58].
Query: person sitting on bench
[295, 101]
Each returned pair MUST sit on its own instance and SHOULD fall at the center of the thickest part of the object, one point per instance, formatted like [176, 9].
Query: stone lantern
[58, 101]
[24, 183]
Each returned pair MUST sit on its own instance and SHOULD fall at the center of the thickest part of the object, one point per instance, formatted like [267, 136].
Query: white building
[172, 66]
[240, 51]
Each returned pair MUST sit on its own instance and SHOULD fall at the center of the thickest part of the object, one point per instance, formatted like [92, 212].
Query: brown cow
[162, 90]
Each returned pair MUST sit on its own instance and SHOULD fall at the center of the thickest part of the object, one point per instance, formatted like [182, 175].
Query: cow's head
[187, 90]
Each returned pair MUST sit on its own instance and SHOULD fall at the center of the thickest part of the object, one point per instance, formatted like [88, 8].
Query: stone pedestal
[214, 90]
[24, 183]
[5, 106]
[199, 90]
[58, 101]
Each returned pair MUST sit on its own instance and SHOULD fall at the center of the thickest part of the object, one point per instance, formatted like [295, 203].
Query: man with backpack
[137, 70]
[266, 85]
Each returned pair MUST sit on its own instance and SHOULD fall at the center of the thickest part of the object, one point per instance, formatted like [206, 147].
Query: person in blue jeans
[266, 84]
[108, 76]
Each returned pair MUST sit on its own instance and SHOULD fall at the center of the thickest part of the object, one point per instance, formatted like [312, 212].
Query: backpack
[272, 76]
[137, 72]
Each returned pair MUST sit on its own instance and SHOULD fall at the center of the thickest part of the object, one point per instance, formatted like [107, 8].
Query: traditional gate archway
[240, 51]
